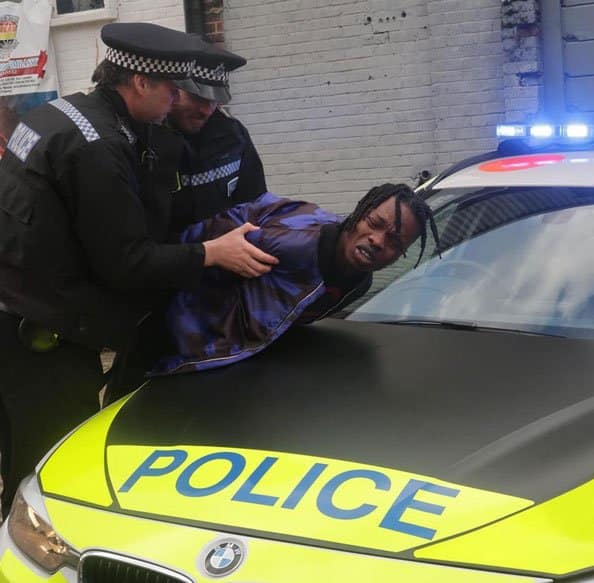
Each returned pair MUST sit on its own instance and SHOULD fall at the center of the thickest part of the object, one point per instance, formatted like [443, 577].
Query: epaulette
[124, 129]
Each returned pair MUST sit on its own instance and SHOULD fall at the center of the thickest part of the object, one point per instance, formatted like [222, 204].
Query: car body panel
[193, 460]
[546, 537]
[298, 497]
[180, 549]
[15, 568]
[91, 483]
[384, 395]
[539, 169]
[354, 451]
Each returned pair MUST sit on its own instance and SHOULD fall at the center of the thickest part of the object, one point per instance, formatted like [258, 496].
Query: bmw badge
[221, 557]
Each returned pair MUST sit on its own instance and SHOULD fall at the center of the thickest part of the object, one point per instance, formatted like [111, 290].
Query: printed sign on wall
[27, 70]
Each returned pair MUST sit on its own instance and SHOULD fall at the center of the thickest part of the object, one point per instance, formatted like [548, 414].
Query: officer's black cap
[149, 49]
[210, 74]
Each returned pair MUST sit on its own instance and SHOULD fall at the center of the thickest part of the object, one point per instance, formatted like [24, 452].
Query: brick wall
[213, 20]
[523, 68]
[466, 74]
[344, 94]
[78, 47]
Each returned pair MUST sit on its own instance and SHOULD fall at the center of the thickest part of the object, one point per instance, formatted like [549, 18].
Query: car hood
[347, 434]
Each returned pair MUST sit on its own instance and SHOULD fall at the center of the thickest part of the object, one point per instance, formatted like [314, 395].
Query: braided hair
[402, 193]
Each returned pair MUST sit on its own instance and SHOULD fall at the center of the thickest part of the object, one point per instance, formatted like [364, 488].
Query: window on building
[194, 12]
[68, 6]
[68, 12]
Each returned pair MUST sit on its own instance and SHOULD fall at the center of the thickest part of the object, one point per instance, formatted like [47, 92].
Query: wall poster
[27, 68]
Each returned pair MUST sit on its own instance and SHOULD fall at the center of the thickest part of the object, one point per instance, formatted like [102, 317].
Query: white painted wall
[340, 95]
[78, 47]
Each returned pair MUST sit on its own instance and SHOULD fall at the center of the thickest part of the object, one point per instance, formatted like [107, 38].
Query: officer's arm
[110, 220]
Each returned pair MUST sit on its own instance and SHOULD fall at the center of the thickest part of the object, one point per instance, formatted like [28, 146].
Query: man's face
[191, 112]
[372, 244]
[158, 96]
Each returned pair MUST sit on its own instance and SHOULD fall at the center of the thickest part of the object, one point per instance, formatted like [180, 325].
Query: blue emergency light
[578, 131]
[511, 131]
[545, 131]
[542, 131]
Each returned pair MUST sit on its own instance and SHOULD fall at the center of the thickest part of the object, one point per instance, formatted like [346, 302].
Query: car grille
[104, 567]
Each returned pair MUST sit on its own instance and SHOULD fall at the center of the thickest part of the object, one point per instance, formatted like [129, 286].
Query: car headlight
[37, 539]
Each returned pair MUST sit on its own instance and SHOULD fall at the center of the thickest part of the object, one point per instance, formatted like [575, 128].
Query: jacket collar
[131, 128]
[327, 245]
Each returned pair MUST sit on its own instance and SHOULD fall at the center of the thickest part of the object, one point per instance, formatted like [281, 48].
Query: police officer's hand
[234, 253]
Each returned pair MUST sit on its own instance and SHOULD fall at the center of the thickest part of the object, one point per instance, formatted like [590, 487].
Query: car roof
[551, 168]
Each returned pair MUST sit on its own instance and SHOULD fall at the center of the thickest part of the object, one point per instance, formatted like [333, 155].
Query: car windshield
[514, 258]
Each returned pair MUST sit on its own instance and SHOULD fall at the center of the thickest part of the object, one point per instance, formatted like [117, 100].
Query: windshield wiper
[450, 324]
[470, 326]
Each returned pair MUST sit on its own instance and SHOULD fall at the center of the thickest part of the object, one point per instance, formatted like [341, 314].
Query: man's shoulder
[220, 134]
[89, 105]
[76, 115]
[222, 117]
[97, 120]
[291, 213]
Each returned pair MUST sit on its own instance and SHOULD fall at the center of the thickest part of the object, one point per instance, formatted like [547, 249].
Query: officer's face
[158, 96]
[372, 244]
[190, 112]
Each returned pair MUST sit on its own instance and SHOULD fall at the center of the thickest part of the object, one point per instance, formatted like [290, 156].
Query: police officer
[221, 166]
[84, 250]
[218, 168]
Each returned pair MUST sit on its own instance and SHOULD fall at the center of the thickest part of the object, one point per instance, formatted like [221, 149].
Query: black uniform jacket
[84, 219]
[220, 168]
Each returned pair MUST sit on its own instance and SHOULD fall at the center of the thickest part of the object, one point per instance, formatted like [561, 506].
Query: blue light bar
[577, 131]
[542, 131]
[569, 132]
[511, 131]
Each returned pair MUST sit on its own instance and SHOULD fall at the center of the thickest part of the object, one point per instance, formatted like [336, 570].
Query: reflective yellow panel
[298, 495]
[76, 468]
[12, 570]
[181, 548]
[555, 537]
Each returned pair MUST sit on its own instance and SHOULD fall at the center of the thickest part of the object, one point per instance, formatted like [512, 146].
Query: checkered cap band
[210, 175]
[148, 65]
[82, 123]
[217, 75]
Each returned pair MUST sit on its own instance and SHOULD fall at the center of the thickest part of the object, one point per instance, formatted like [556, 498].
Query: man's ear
[140, 83]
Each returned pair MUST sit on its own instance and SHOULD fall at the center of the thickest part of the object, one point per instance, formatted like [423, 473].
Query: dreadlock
[402, 194]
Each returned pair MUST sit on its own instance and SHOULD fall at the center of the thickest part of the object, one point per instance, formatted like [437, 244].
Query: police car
[443, 432]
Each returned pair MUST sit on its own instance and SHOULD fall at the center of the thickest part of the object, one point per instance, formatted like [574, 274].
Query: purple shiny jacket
[231, 318]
